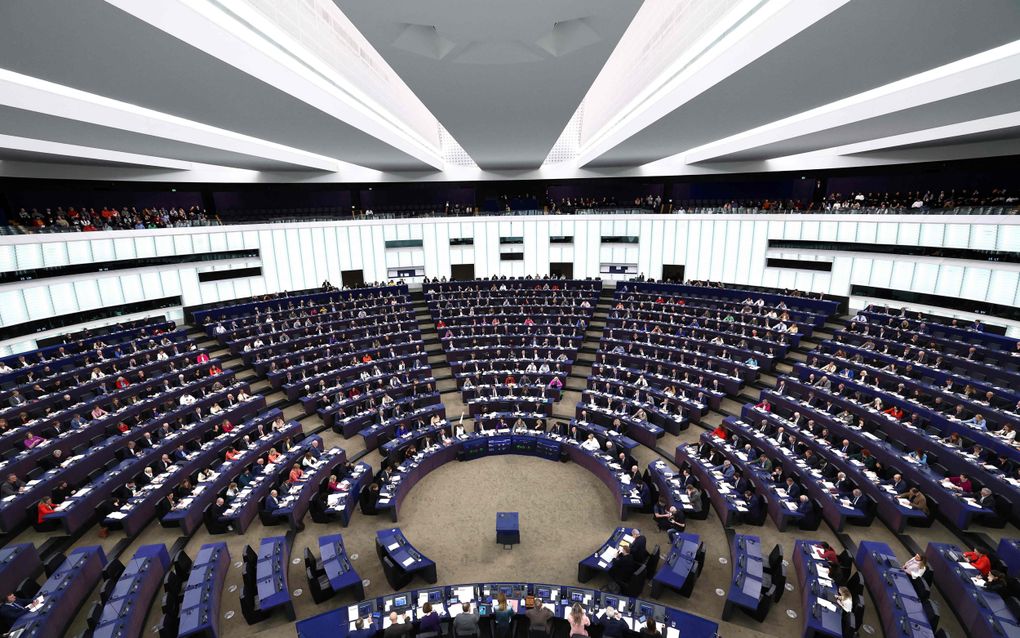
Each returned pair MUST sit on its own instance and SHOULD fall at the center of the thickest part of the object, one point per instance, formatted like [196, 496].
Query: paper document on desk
[826, 604]
[609, 554]
[628, 538]
[790, 506]
[116, 515]
[393, 546]
[966, 565]
[822, 571]
[407, 562]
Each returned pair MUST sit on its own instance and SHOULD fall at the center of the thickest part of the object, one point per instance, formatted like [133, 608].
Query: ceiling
[362, 90]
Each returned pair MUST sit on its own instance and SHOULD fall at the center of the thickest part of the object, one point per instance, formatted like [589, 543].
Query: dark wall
[98, 198]
[416, 194]
[623, 192]
[280, 198]
[932, 178]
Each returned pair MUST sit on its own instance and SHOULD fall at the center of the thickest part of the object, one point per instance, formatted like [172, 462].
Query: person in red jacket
[121, 383]
[979, 560]
[202, 358]
[45, 507]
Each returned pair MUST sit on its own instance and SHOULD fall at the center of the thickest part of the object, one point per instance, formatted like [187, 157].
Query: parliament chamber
[532, 319]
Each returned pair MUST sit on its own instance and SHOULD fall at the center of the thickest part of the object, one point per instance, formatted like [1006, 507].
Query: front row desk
[984, 613]
[447, 602]
[63, 594]
[400, 560]
[490, 443]
[758, 581]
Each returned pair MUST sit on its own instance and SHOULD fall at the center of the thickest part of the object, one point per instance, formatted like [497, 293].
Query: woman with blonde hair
[578, 621]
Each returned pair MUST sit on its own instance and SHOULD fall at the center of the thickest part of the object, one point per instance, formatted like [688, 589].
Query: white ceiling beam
[39, 96]
[982, 71]
[948, 132]
[765, 29]
[272, 56]
[30, 145]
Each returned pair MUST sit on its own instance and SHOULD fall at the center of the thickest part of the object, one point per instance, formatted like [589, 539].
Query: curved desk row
[476, 445]
[63, 594]
[125, 610]
[447, 602]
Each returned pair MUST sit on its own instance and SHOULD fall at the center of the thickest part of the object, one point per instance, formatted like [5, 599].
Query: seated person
[916, 566]
[979, 560]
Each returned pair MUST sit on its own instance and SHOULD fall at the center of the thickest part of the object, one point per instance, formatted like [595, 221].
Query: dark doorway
[462, 272]
[561, 269]
[353, 277]
[673, 272]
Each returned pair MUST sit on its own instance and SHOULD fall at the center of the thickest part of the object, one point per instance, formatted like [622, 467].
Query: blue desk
[602, 559]
[336, 623]
[128, 605]
[679, 570]
[338, 566]
[902, 612]
[508, 528]
[17, 562]
[392, 543]
[271, 575]
[814, 586]
[1009, 553]
[64, 593]
[983, 613]
[746, 586]
[200, 611]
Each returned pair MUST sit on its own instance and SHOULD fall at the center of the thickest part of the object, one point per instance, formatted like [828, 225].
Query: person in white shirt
[845, 599]
[916, 566]
[591, 443]
[220, 329]
[4, 368]
[187, 399]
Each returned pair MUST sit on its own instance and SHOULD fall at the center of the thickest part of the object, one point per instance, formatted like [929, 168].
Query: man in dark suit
[271, 504]
[398, 626]
[740, 482]
[612, 625]
[755, 507]
[360, 631]
[638, 547]
[898, 484]
[804, 505]
[623, 566]
[793, 490]
[12, 609]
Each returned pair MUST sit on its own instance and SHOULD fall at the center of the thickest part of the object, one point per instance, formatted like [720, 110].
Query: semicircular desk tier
[448, 600]
[490, 443]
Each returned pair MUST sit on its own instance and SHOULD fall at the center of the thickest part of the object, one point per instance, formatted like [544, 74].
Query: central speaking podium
[508, 529]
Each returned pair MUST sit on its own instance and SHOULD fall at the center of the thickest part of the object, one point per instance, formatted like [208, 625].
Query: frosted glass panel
[950, 279]
[925, 277]
[62, 296]
[55, 254]
[145, 247]
[132, 287]
[909, 234]
[983, 237]
[124, 248]
[37, 300]
[1002, 287]
[110, 292]
[975, 282]
[957, 235]
[102, 250]
[8, 259]
[12, 307]
[79, 252]
[931, 234]
[87, 293]
[29, 256]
